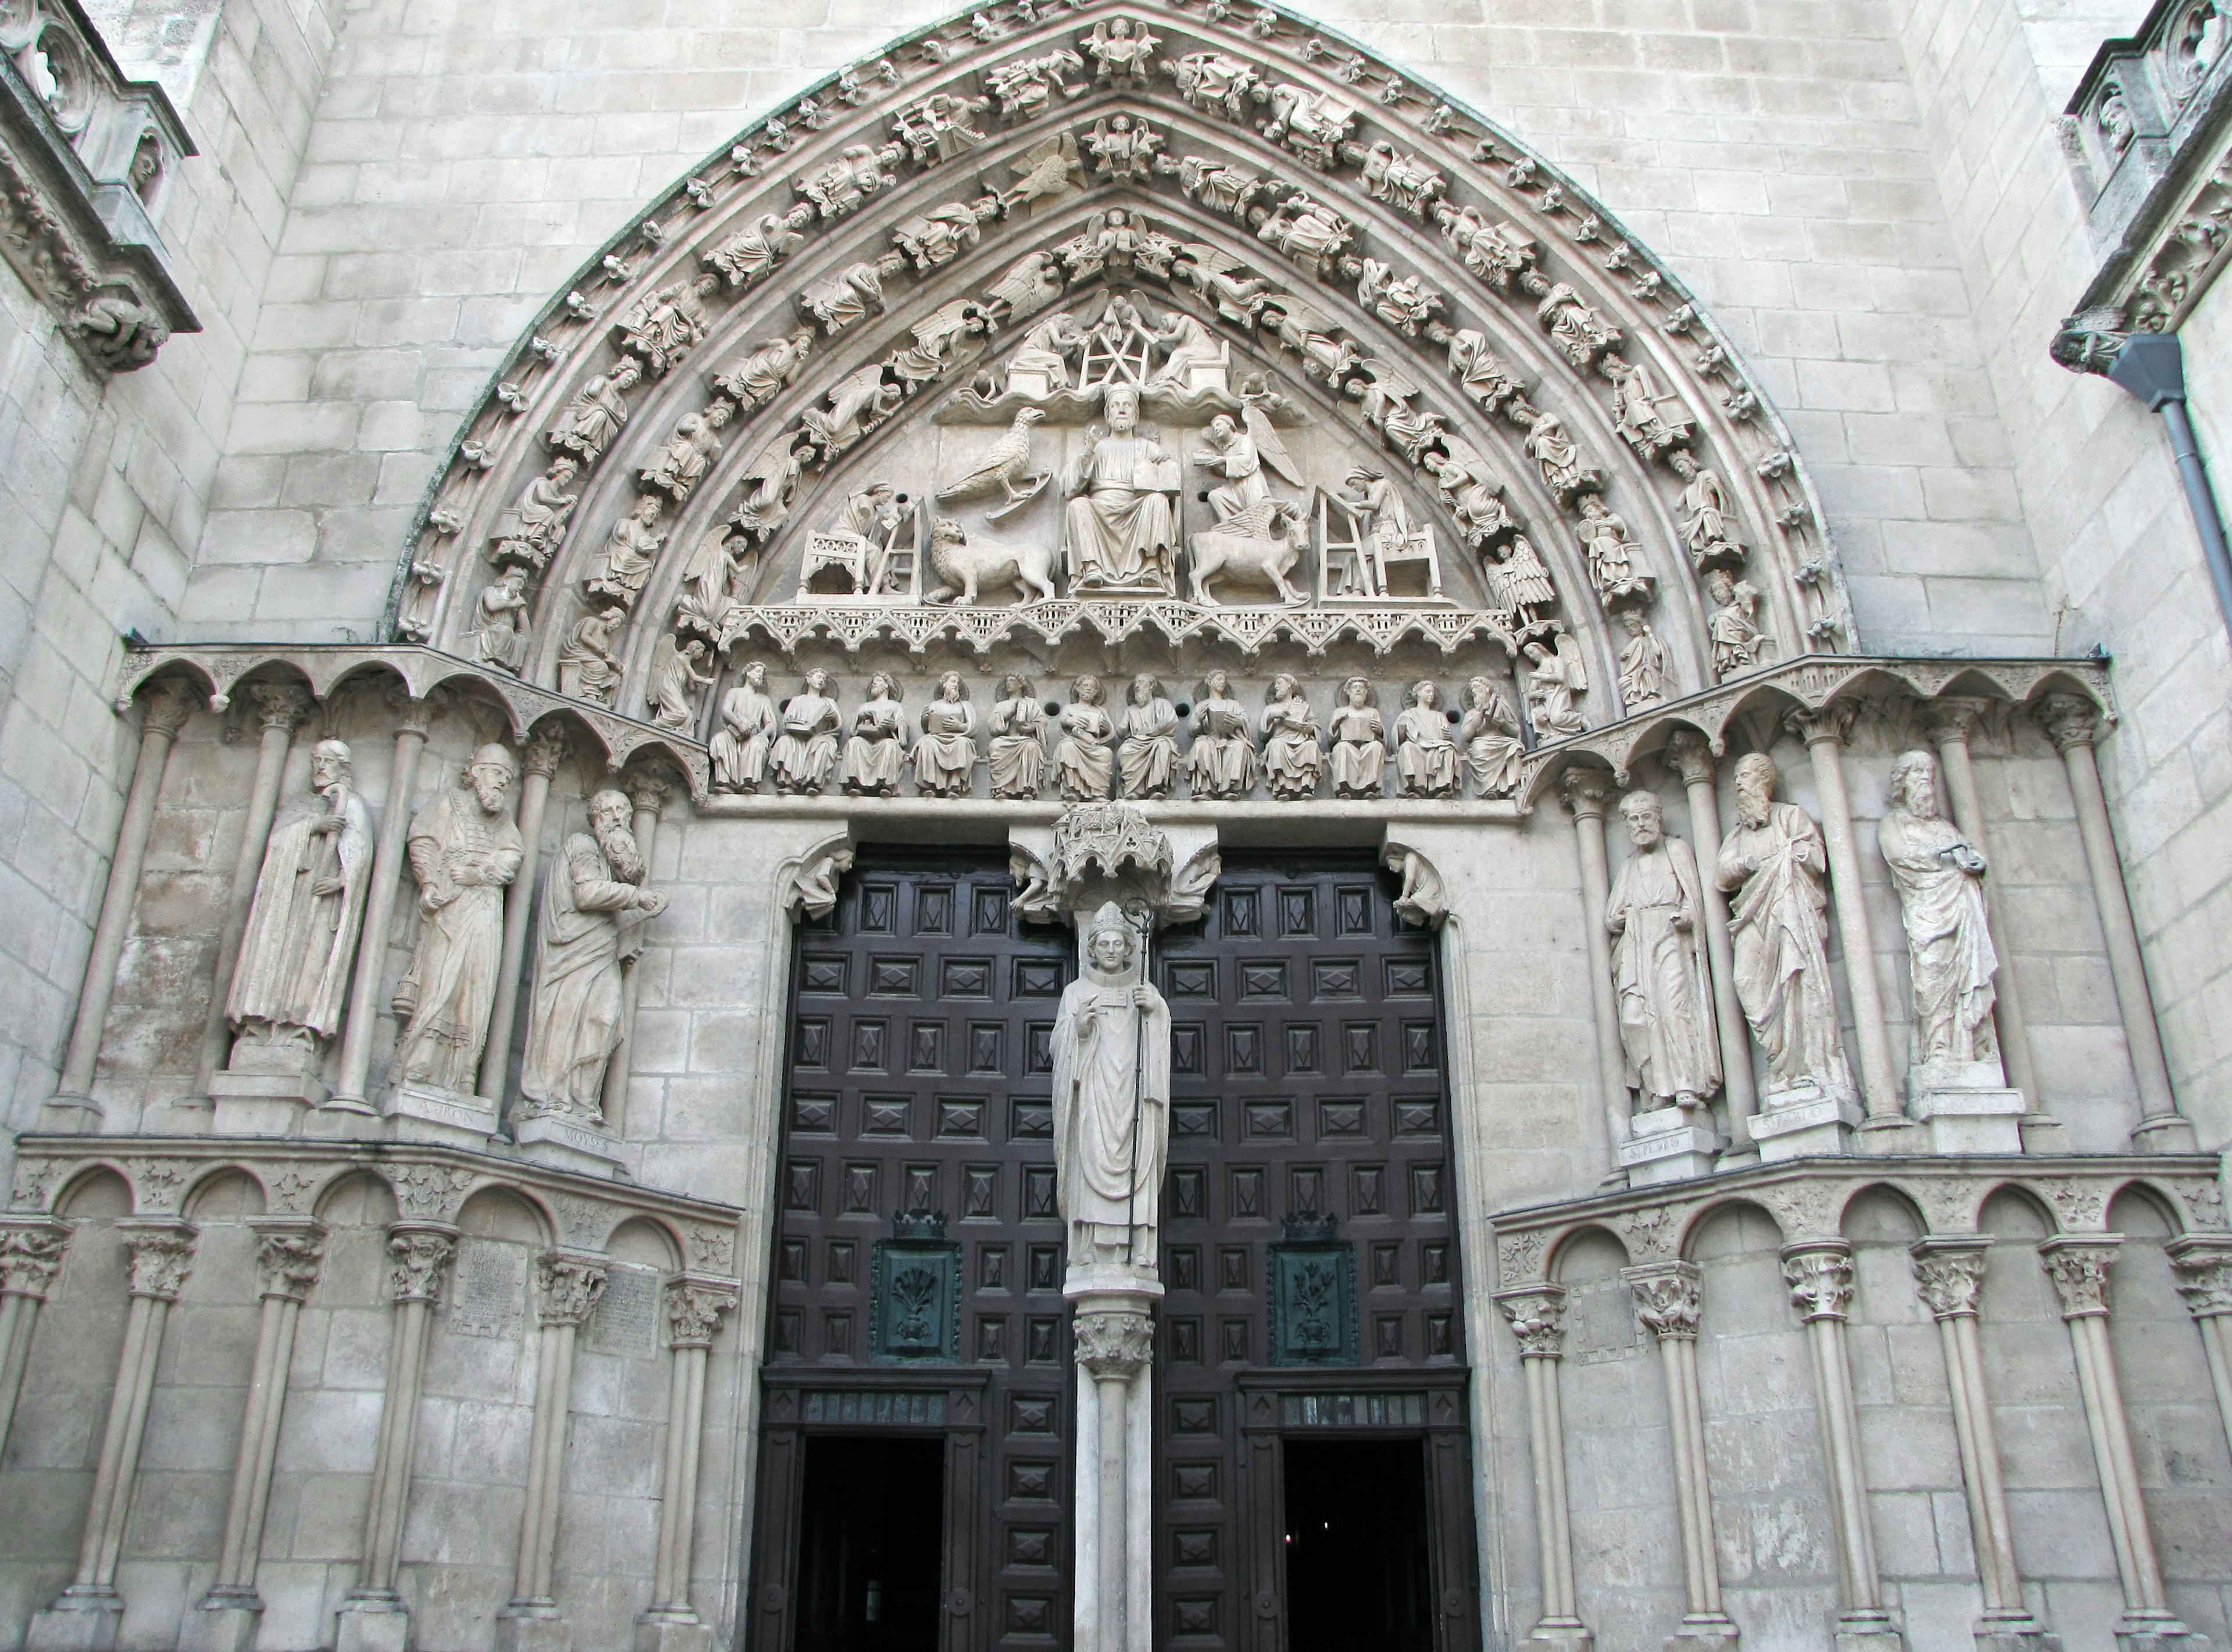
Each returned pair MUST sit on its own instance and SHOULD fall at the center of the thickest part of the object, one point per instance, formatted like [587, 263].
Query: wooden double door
[914, 1482]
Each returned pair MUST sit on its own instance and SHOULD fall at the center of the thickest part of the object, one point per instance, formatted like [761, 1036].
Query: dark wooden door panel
[919, 1255]
[1309, 1251]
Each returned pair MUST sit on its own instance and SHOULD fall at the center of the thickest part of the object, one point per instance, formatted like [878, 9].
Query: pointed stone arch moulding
[1386, 388]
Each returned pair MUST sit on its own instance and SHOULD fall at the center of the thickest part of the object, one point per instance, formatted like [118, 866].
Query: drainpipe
[2151, 366]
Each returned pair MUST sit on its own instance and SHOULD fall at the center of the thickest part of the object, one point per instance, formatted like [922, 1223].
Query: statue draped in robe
[1118, 527]
[1111, 1089]
[1940, 877]
[1656, 916]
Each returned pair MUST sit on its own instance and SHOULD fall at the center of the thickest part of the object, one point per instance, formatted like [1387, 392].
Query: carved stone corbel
[809, 885]
[1103, 852]
[1422, 900]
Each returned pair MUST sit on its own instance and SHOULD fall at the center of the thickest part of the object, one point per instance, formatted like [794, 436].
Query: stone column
[279, 708]
[165, 709]
[1584, 793]
[1115, 1346]
[290, 1250]
[2203, 1264]
[2073, 725]
[374, 1619]
[1537, 1313]
[1951, 1273]
[1668, 1300]
[694, 1308]
[546, 749]
[1823, 732]
[648, 790]
[86, 1615]
[388, 859]
[569, 1288]
[30, 1255]
[1820, 1274]
[1693, 759]
[2079, 1268]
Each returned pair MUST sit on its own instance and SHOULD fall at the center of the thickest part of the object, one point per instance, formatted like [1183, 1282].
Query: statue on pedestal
[1940, 878]
[1112, 1088]
[1656, 918]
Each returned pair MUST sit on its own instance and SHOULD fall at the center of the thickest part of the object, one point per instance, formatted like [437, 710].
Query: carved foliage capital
[694, 1308]
[1114, 1343]
[416, 1259]
[1585, 791]
[1819, 1275]
[290, 1257]
[162, 1254]
[1668, 1298]
[1827, 724]
[1537, 1314]
[280, 706]
[1691, 754]
[2202, 1264]
[648, 788]
[545, 750]
[2079, 1268]
[1954, 719]
[2069, 720]
[570, 1288]
[31, 1256]
[165, 707]
[1949, 1274]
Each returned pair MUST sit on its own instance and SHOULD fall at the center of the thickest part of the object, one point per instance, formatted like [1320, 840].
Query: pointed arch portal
[857, 363]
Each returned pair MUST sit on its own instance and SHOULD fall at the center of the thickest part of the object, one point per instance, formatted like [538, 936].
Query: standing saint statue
[464, 852]
[1112, 1089]
[1774, 868]
[293, 973]
[1940, 877]
[1656, 918]
[594, 905]
[1119, 530]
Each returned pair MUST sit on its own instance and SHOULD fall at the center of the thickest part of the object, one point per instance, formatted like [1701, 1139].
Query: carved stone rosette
[1114, 1343]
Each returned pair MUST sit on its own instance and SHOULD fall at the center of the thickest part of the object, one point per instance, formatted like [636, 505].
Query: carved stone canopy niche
[1376, 379]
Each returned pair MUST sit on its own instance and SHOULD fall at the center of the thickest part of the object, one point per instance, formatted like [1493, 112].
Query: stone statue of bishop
[1112, 1089]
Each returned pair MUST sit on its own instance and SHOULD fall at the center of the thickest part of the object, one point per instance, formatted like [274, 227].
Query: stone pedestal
[81, 1620]
[371, 1623]
[1702, 1632]
[1804, 1122]
[665, 1635]
[1667, 1145]
[2137, 1633]
[1967, 1107]
[223, 1622]
[567, 1144]
[424, 1113]
[532, 1629]
[1868, 1633]
[1114, 1609]
[2165, 1133]
[2018, 1634]
[263, 1104]
[2043, 1134]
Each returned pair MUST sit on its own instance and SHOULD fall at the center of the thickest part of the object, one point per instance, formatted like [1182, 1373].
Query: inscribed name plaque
[625, 1319]
[489, 1297]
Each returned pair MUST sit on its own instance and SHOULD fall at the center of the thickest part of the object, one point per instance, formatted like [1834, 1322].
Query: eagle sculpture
[1003, 470]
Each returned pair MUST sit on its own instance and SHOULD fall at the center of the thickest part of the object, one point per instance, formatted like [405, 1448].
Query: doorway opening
[1358, 1560]
[870, 1545]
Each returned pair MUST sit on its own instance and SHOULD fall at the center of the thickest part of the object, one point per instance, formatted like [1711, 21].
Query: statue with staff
[1111, 1089]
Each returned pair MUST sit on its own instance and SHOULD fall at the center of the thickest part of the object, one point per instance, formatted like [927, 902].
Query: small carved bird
[1003, 471]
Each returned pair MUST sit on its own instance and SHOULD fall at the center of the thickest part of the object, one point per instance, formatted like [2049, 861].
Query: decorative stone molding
[30, 1255]
[1819, 1275]
[2078, 1269]
[2202, 1263]
[568, 1287]
[1949, 1273]
[85, 162]
[694, 1307]
[1806, 1200]
[162, 1254]
[1113, 1343]
[1668, 1298]
[290, 1254]
[2149, 131]
[417, 1257]
[1537, 1315]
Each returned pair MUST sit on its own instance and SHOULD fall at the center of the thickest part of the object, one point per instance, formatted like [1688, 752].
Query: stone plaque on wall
[625, 1320]
[489, 1296]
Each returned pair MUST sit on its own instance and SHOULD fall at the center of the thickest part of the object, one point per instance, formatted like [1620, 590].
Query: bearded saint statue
[1112, 1089]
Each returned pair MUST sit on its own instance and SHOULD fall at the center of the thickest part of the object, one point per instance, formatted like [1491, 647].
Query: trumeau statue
[1425, 756]
[292, 976]
[1940, 878]
[1085, 756]
[1111, 1087]
[1148, 760]
[945, 756]
[804, 758]
[747, 725]
[464, 852]
[1223, 760]
[593, 906]
[1656, 918]
[1018, 755]
[1775, 869]
[1120, 529]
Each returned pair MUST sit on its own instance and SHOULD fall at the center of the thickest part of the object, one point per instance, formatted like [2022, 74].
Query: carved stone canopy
[844, 383]
[1098, 853]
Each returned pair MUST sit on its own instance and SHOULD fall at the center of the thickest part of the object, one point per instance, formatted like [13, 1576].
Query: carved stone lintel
[31, 1256]
[694, 1308]
[1819, 1275]
[418, 1257]
[570, 1288]
[1115, 1345]
[1537, 1313]
[2202, 1263]
[290, 1253]
[1949, 1273]
[162, 1254]
[1668, 1297]
[2079, 1268]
